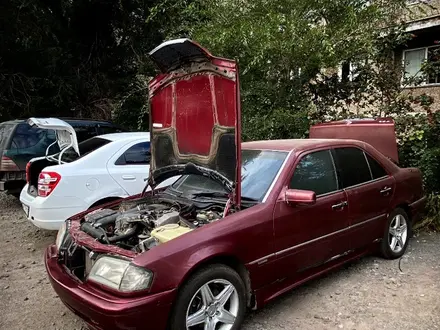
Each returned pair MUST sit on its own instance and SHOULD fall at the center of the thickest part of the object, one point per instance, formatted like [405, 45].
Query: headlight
[60, 236]
[120, 275]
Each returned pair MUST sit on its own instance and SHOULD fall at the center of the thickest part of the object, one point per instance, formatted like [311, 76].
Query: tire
[189, 301]
[398, 226]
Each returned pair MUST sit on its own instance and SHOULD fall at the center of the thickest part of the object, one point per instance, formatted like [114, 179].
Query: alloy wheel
[214, 306]
[398, 233]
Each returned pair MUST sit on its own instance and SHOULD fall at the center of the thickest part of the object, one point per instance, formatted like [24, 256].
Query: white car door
[130, 166]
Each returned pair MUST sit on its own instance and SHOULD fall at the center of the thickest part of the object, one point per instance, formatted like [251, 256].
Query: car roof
[125, 136]
[298, 144]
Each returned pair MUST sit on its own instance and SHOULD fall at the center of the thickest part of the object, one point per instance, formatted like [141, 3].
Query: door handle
[128, 177]
[340, 205]
[385, 190]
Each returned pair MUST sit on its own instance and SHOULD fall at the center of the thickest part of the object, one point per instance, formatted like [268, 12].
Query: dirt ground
[369, 294]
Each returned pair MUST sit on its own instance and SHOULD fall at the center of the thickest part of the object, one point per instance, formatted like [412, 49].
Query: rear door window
[315, 172]
[138, 154]
[352, 167]
[376, 169]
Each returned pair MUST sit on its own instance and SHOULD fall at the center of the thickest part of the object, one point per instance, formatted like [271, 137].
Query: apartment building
[423, 24]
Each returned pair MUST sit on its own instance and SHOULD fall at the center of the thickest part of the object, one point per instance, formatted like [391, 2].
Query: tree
[84, 58]
[284, 45]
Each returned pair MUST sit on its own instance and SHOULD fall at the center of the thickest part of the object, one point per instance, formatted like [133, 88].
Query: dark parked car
[223, 237]
[20, 142]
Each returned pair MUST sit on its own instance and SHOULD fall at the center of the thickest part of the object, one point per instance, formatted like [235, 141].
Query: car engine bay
[144, 223]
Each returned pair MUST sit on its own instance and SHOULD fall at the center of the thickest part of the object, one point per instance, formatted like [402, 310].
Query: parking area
[369, 294]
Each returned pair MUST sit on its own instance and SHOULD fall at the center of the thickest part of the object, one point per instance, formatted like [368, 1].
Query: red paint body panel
[298, 248]
[379, 133]
[300, 197]
[195, 111]
[280, 244]
[230, 237]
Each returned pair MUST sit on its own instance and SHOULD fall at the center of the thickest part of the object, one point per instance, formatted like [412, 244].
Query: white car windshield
[259, 169]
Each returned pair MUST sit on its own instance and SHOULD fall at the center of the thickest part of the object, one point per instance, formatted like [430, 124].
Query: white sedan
[84, 175]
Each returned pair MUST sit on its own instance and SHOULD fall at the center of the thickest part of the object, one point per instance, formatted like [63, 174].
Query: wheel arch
[405, 206]
[104, 201]
[230, 261]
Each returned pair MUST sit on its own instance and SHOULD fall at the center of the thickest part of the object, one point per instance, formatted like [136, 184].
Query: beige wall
[419, 15]
[433, 91]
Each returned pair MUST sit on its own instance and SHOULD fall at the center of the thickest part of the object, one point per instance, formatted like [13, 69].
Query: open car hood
[195, 114]
[66, 135]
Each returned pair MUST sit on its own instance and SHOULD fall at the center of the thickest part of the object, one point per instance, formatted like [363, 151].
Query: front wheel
[397, 233]
[212, 299]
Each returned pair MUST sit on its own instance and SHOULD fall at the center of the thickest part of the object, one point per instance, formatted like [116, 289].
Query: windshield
[85, 148]
[259, 169]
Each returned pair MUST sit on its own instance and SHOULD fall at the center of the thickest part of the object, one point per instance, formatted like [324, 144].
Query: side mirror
[305, 197]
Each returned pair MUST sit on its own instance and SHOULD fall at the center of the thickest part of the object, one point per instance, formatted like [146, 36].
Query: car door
[369, 191]
[130, 166]
[310, 235]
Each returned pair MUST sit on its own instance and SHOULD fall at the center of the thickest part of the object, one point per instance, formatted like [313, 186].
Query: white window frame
[423, 83]
[351, 75]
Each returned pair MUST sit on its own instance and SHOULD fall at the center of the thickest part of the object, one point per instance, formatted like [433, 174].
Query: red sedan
[223, 237]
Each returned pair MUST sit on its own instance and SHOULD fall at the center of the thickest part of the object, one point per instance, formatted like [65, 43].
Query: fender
[222, 239]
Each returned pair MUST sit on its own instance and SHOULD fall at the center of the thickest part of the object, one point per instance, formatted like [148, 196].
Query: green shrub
[419, 146]
[431, 221]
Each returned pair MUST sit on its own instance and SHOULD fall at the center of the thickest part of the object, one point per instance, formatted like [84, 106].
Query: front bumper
[101, 310]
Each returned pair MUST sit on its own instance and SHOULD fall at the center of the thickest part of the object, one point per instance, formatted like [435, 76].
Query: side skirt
[273, 290]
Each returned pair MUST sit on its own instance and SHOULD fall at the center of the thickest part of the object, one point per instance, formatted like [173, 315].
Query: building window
[413, 62]
[434, 57]
[348, 71]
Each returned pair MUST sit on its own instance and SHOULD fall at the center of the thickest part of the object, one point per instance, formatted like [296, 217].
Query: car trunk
[68, 145]
[37, 165]
[33, 171]
[380, 133]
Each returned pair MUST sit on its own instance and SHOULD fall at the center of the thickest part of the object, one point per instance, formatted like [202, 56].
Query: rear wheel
[397, 233]
[212, 299]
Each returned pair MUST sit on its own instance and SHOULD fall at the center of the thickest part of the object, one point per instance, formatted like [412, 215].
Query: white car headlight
[120, 274]
[61, 234]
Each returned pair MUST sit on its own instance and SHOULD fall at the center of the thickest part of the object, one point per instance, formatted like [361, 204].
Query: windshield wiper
[221, 195]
